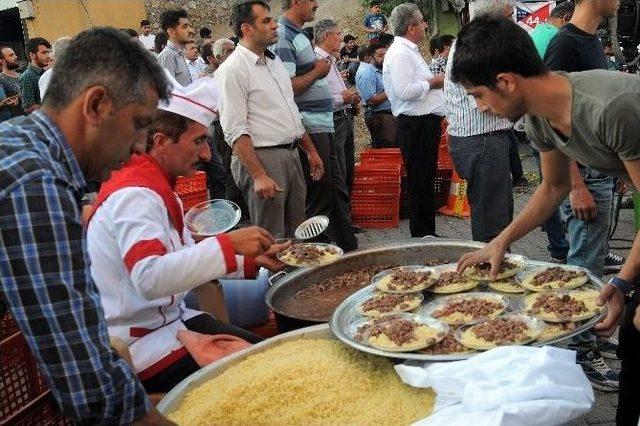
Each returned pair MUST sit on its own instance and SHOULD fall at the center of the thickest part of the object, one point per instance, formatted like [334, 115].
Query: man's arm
[29, 91]
[263, 184]
[300, 83]
[367, 89]
[315, 162]
[169, 62]
[554, 188]
[47, 285]
[402, 74]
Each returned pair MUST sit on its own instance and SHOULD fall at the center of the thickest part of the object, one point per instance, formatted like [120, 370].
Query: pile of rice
[306, 382]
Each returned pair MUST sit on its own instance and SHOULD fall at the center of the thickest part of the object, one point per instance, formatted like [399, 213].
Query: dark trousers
[345, 146]
[180, 370]
[418, 139]
[232, 192]
[329, 196]
[483, 160]
[382, 128]
[514, 160]
[216, 174]
[628, 412]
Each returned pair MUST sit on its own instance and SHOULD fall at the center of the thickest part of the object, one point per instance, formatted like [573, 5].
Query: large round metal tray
[346, 315]
[173, 399]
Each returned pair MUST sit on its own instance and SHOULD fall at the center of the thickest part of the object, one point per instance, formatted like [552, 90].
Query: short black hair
[348, 38]
[386, 39]
[130, 32]
[207, 52]
[375, 3]
[310, 33]
[242, 13]
[363, 52]
[171, 18]
[144, 23]
[488, 46]
[371, 51]
[169, 123]
[205, 32]
[440, 42]
[33, 44]
[563, 9]
[106, 57]
[160, 41]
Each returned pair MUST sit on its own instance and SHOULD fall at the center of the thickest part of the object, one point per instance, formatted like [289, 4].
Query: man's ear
[507, 82]
[97, 105]
[161, 140]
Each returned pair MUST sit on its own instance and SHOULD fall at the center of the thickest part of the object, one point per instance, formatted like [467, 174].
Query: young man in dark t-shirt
[577, 48]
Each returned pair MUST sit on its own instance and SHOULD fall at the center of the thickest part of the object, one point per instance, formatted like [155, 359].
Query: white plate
[526, 275]
[438, 326]
[298, 264]
[441, 302]
[536, 327]
[520, 261]
[212, 217]
[377, 280]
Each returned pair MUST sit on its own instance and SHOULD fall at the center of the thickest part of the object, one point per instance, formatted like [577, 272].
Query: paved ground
[533, 246]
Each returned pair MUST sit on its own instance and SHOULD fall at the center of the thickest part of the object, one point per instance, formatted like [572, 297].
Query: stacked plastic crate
[375, 197]
[192, 190]
[445, 169]
[24, 396]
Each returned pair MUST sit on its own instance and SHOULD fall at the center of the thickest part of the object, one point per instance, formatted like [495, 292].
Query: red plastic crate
[383, 156]
[190, 200]
[193, 184]
[24, 397]
[388, 174]
[376, 209]
[7, 326]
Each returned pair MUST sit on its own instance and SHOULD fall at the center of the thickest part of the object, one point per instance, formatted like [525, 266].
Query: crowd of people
[97, 261]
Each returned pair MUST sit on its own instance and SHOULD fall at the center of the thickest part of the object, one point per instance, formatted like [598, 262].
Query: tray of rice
[458, 306]
[298, 378]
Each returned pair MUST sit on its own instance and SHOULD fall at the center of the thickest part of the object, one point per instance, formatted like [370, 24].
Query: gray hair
[105, 57]
[322, 28]
[59, 46]
[401, 17]
[493, 8]
[218, 45]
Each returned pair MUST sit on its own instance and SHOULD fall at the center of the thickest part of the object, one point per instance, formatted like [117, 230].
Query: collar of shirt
[406, 42]
[176, 48]
[243, 50]
[36, 70]
[57, 140]
[287, 23]
[324, 55]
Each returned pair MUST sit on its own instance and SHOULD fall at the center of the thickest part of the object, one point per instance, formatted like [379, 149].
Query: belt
[384, 111]
[290, 146]
[431, 117]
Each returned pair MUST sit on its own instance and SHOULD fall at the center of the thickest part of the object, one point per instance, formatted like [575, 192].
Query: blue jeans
[558, 245]
[588, 239]
[483, 160]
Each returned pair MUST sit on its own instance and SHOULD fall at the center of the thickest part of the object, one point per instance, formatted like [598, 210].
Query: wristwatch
[625, 286]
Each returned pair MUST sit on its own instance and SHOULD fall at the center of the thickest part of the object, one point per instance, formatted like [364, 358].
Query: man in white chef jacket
[143, 258]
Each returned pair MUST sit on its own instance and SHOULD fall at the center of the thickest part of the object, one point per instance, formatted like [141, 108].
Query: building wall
[57, 18]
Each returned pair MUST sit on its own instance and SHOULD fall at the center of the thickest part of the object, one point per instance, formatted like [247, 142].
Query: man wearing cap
[144, 260]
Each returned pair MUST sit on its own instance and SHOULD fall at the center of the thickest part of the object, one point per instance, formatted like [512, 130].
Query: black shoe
[613, 262]
[601, 376]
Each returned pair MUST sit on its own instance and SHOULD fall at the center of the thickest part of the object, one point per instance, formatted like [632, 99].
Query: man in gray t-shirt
[592, 117]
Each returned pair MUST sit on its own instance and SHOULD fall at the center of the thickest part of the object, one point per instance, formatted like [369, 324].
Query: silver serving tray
[346, 316]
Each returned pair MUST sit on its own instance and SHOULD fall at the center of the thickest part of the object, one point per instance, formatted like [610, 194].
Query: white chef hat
[198, 101]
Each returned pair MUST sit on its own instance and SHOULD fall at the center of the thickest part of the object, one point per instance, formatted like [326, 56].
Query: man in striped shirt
[479, 144]
[327, 196]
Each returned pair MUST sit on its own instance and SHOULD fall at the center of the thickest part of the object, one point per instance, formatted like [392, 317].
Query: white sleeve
[156, 269]
[234, 113]
[402, 74]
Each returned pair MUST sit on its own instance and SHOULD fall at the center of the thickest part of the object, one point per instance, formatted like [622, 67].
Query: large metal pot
[285, 284]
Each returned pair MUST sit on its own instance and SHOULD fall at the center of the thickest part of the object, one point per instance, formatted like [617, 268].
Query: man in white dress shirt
[195, 64]
[328, 39]
[147, 39]
[262, 123]
[418, 103]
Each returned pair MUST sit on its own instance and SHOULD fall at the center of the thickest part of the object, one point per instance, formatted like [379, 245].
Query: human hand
[269, 260]
[322, 67]
[349, 96]
[636, 318]
[315, 166]
[492, 253]
[437, 82]
[613, 297]
[266, 187]
[583, 204]
[622, 186]
[252, 241]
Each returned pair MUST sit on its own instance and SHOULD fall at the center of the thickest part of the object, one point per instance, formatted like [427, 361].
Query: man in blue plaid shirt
[87, 126]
